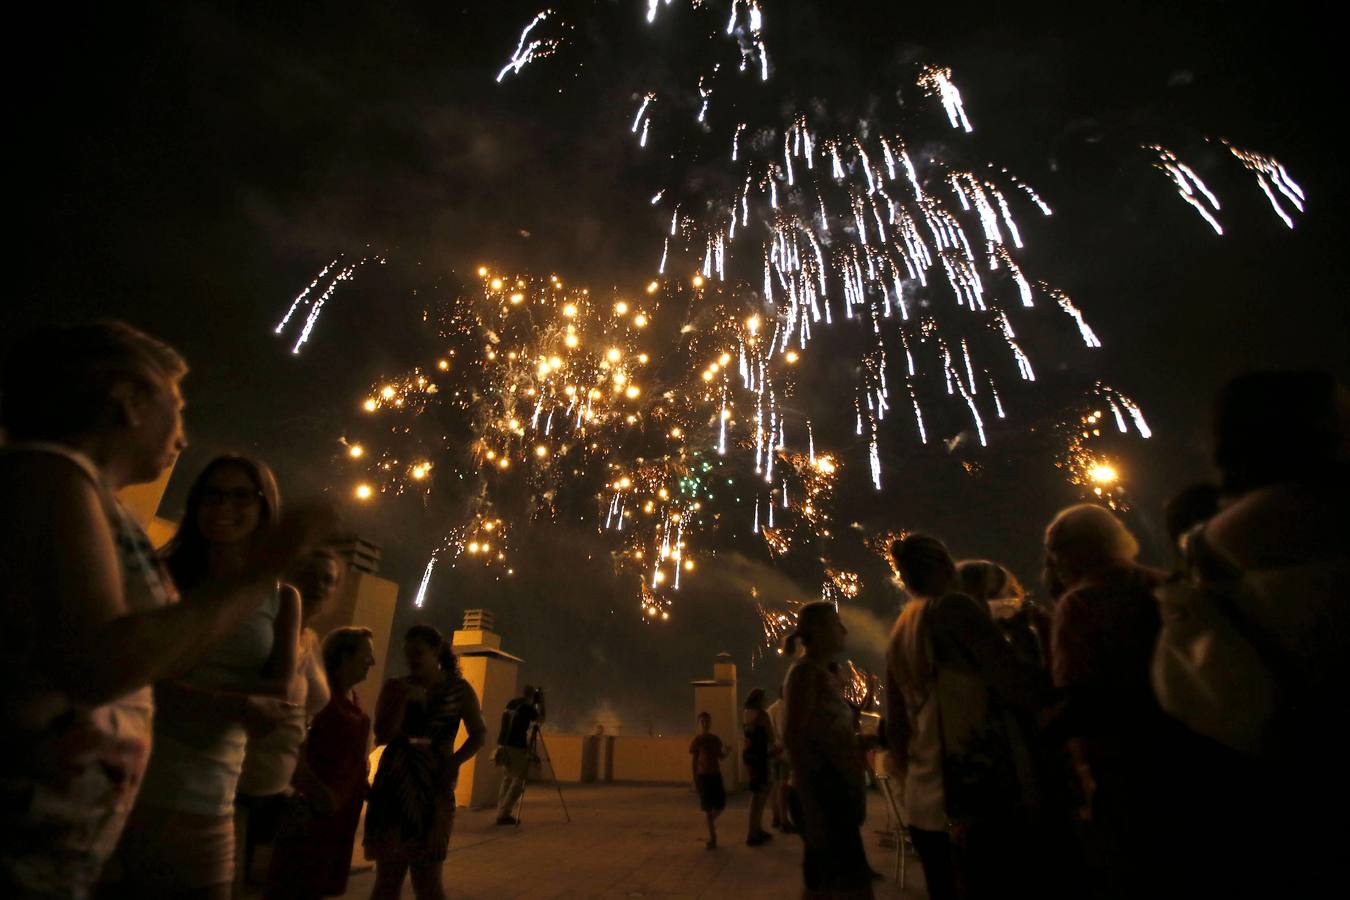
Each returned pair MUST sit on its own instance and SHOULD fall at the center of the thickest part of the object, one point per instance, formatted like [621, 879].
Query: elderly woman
[1127, 754]
[90, 615]
[314, 851]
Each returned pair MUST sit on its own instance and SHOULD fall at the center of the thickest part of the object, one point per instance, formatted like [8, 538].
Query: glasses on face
[214, 496]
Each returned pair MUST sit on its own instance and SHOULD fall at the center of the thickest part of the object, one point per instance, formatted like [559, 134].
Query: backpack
[1216, 669]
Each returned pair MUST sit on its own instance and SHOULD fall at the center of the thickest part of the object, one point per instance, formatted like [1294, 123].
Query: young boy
[708, 752]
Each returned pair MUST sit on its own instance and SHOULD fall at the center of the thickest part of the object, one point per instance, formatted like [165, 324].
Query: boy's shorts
[712, 794]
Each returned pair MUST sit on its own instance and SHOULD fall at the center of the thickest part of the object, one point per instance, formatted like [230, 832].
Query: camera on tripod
[537, 697]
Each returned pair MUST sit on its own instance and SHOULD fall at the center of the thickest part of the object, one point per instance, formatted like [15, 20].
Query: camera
[537, 697]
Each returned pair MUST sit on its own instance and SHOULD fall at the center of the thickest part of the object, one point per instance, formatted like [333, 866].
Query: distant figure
[513, 750]
[1126, 753]
[180, 837]
[90, 614]
[1024, 625]
[708, 753]
[411, 809]
[827, 763]
[271, 758]
[1255, 651]
[779, 769]
[756, 752]
[313, 853]
[953, 683]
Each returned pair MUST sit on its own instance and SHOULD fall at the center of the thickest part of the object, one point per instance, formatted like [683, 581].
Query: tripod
[537, 741]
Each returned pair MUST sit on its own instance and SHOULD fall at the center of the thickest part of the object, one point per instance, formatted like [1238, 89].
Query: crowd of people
[175, 726]
[1148, 733]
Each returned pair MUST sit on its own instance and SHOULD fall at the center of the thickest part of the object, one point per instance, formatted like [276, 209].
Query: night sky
[190, 167]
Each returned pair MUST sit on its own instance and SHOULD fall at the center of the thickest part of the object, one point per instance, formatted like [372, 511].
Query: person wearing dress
[411, 809]
[312, 857]
[91, 616]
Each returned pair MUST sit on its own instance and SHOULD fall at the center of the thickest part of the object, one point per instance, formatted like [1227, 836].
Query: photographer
[513, 749]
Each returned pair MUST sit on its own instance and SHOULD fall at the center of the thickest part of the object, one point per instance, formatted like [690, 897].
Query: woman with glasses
[179, 840]
[90, 616]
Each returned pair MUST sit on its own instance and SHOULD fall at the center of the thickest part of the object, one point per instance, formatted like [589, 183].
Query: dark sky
[191, 166]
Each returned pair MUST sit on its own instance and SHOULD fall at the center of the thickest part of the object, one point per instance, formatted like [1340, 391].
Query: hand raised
[301, 528]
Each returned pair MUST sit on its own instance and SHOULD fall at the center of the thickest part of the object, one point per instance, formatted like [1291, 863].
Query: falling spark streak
[1188, 184]
[1270, 174]
[317, 308]
[300, 298]
[939, 81]
[426, 579]
[525, 54]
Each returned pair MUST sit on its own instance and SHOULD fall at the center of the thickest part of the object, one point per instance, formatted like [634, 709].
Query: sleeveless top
[270, 760]
[198, 759]
[57, 834]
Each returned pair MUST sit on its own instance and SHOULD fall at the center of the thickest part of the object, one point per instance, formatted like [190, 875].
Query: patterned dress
[65, 798]
[411, 808]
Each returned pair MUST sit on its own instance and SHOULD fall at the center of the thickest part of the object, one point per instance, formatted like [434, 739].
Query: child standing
[708, 752]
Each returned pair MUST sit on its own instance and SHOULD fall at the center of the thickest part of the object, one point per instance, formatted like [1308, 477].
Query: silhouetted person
[779, 770]
[707, 753]
[1127, 755]
[313, 853]
[180, 838]
[513, 749]
[756, 749]
[411, 809]
[1256, 650]
[961, 758]
[1024, 625]
[827, 765]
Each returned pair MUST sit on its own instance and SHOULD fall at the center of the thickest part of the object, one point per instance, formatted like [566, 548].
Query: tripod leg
[553, 773]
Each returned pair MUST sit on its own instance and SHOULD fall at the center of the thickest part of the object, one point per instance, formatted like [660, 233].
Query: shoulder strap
[1208, 565]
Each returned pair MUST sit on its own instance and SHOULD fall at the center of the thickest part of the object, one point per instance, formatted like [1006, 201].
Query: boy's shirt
[707, 751]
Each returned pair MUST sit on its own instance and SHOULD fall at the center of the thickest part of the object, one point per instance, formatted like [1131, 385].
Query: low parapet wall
[623, 758]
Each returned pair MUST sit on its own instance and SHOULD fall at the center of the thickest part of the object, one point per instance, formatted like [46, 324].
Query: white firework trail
[527, 53]
[300, 297]
[426, 580]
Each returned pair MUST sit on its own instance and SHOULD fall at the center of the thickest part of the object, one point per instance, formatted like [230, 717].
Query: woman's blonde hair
[1088, 537]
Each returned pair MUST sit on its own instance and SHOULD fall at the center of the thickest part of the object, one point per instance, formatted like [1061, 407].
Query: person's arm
[897, 718]
[472, 718]
[693, 762]
[389, 709]
[57, 548]
[179, 701]
[281, 665]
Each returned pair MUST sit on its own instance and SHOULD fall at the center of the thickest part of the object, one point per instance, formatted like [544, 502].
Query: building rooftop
[632, 841]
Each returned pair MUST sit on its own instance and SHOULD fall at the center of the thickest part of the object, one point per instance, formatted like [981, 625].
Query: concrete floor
[632, 841]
